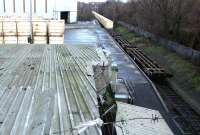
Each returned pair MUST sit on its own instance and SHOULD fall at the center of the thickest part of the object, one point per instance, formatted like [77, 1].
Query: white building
[57, 9]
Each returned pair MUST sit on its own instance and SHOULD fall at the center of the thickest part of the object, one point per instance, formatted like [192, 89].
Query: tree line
[177, 20]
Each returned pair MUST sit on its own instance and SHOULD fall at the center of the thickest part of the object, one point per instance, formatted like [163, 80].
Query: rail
[150, 67]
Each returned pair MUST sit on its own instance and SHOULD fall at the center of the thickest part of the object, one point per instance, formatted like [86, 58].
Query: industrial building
[65, 89]
[56, 9]
[87, 85]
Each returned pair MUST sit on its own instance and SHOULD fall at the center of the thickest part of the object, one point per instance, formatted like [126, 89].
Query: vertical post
[34, 6]
[24, 10]
[31, 33]
[46, 6]
[13, 6]
[4, 6]
[55, 10]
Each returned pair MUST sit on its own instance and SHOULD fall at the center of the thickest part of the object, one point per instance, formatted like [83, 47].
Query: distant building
[58, 9]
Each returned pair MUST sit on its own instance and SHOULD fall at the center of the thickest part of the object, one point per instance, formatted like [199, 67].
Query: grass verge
[185, 74]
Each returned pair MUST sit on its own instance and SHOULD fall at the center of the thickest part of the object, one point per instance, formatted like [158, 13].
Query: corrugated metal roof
[136, 120]
[46, 90]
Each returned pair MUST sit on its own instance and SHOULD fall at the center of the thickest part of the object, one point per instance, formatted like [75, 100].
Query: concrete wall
[39, 7]
[73, 17]
[181, 50]
[107, 23]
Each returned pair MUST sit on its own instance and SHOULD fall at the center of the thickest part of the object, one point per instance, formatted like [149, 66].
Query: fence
[181, 50]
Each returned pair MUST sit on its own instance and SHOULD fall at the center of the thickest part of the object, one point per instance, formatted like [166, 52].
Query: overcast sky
[95, 0]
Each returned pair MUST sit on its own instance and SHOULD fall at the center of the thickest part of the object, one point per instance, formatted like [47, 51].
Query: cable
[154, 118]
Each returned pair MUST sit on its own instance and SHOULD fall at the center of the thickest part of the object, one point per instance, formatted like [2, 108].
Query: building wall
[73, 17]
[45, 8]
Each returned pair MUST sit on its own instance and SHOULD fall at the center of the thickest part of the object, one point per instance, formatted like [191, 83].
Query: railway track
[184, 116]
[150, 67]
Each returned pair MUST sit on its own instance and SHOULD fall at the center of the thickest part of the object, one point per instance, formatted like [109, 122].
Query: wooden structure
[23, 31]
[150, 67]
[1, 33]
[40, 32]
[56, 31]
[16, 30]
[10, 32]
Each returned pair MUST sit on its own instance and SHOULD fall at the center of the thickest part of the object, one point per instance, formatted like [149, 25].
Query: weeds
[185, 73]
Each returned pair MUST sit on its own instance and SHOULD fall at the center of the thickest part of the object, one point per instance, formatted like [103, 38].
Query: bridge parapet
[107, 23]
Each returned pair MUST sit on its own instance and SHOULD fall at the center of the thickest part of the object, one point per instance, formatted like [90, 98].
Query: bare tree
[177, 20]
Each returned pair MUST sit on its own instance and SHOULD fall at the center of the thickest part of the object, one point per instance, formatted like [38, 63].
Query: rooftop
[140, 121]
[45, 89]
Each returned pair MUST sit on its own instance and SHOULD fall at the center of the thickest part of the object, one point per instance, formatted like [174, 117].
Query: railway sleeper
[143, 57]
[150, 67]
